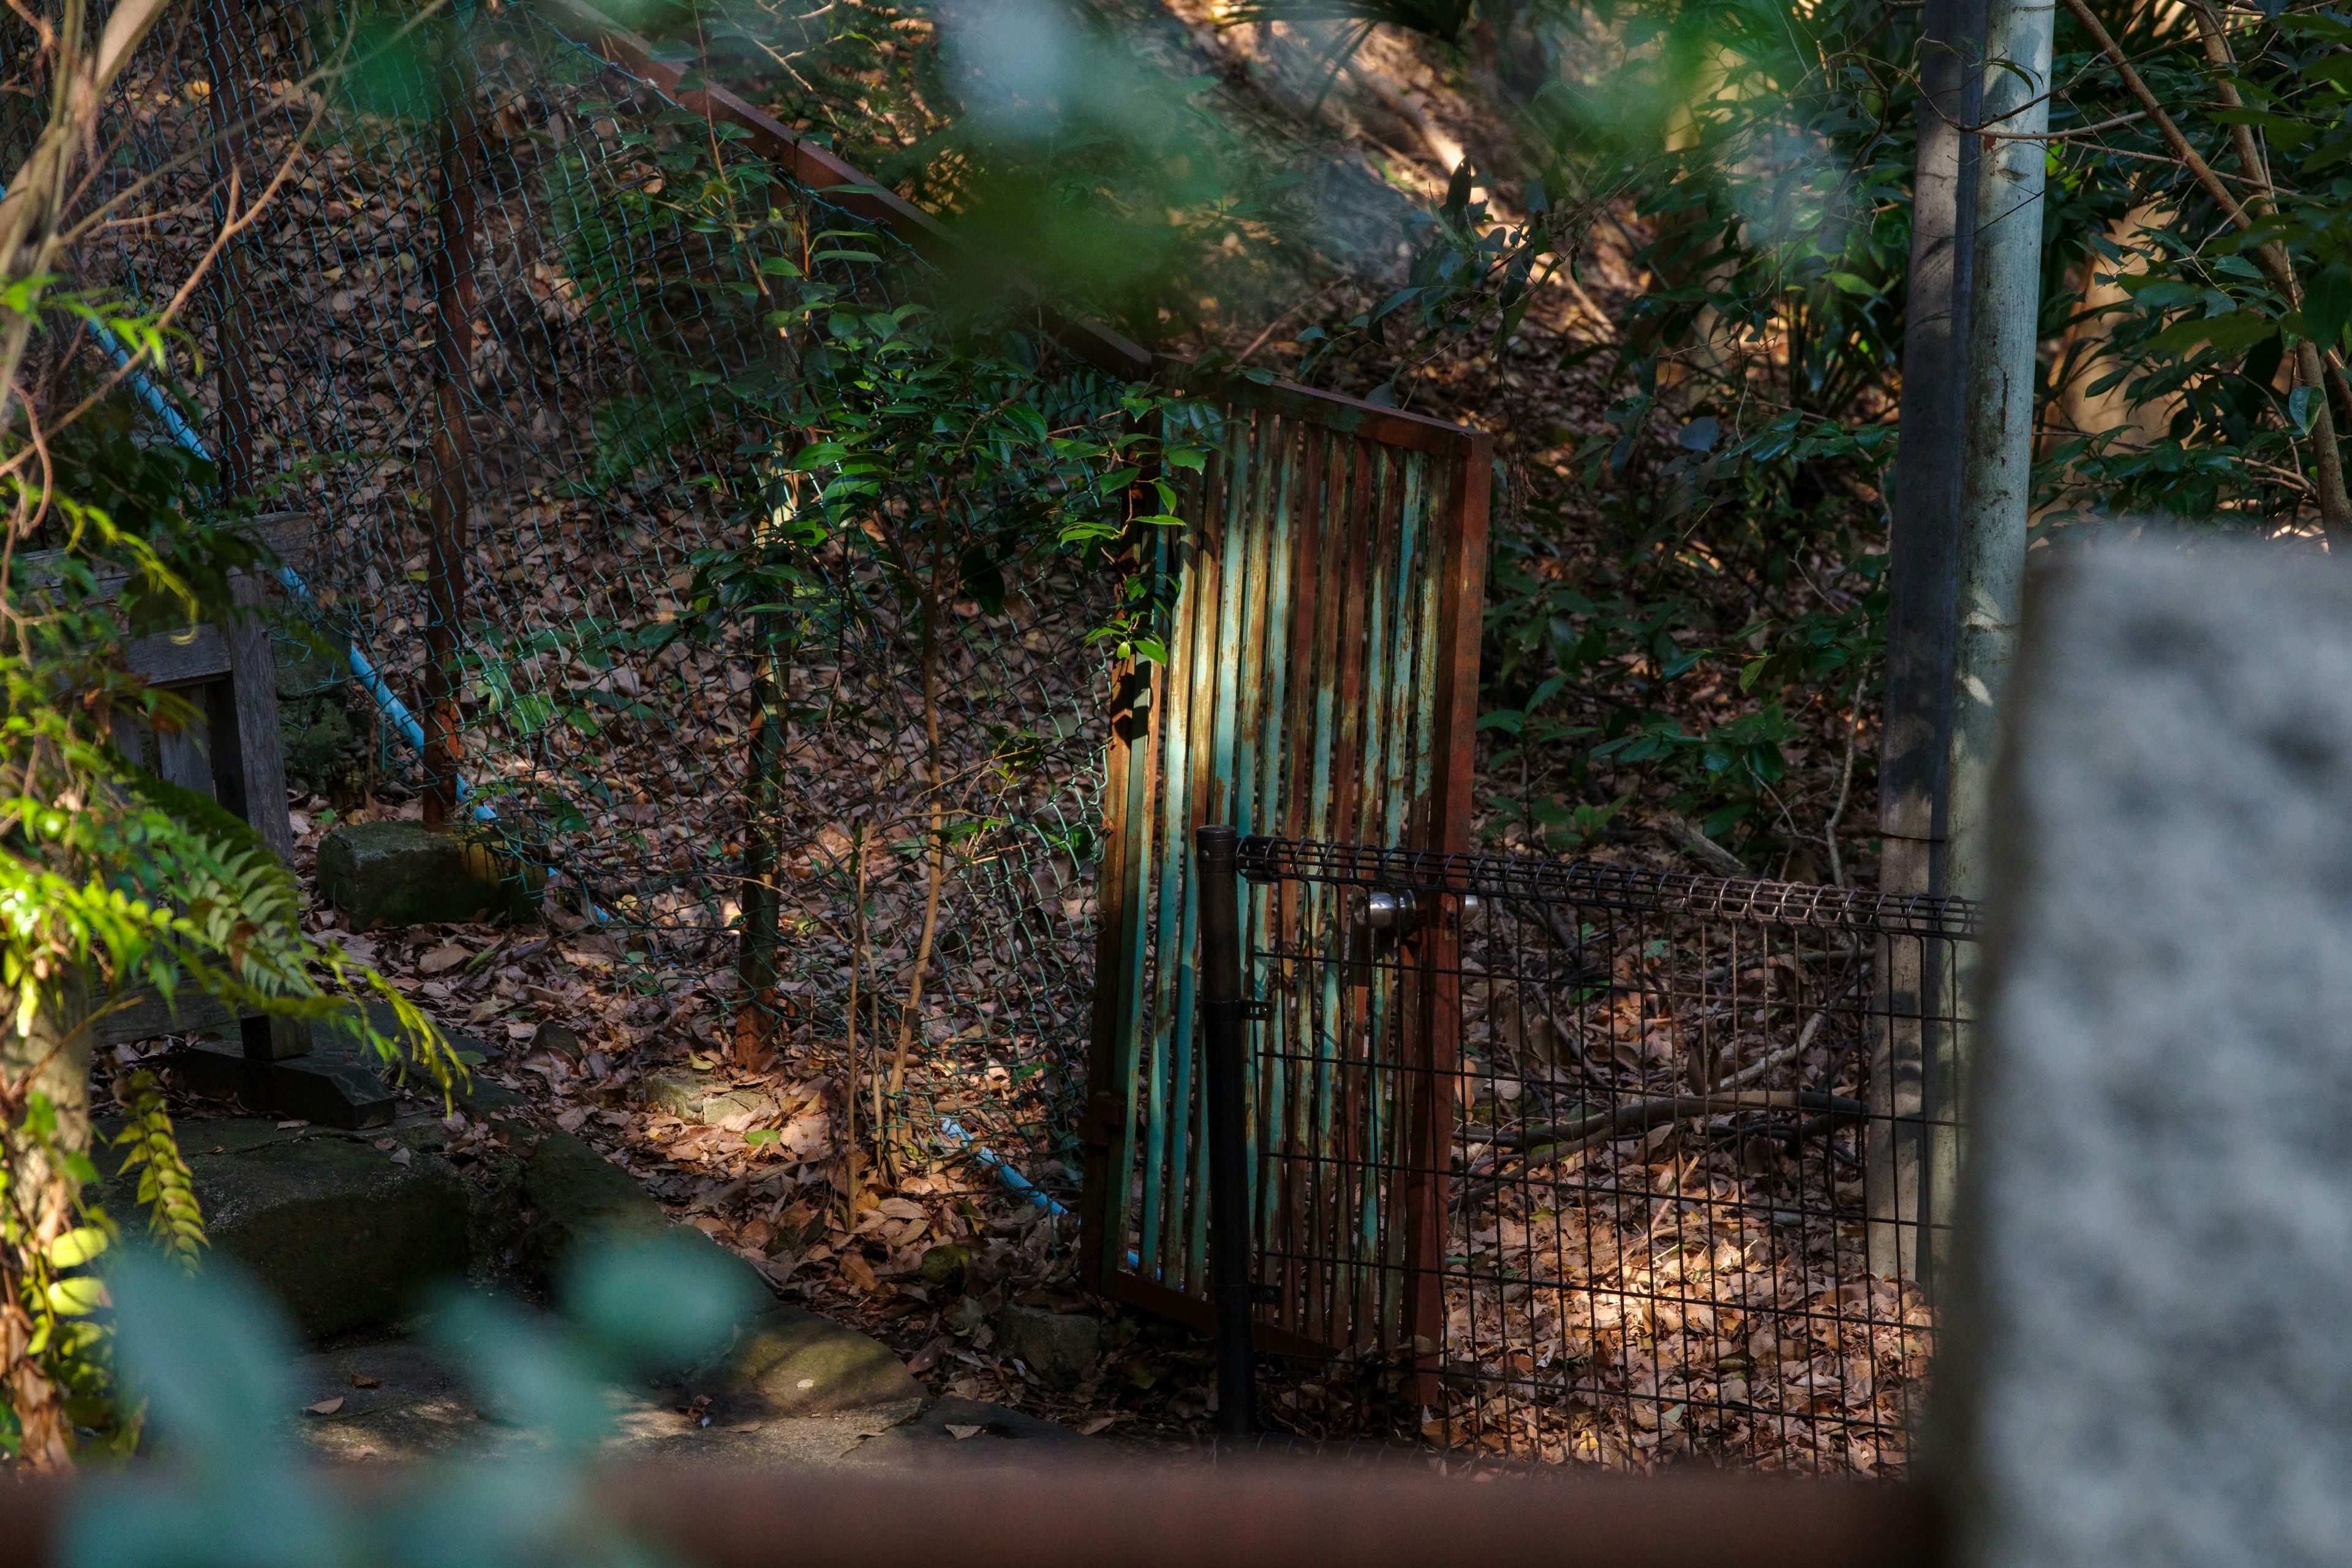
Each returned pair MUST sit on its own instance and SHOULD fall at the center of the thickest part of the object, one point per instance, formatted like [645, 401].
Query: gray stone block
[2147, 1358]
[335, 1085]
[404, 873]
[575, 1194]
[1057, 1346]
[345, 1237]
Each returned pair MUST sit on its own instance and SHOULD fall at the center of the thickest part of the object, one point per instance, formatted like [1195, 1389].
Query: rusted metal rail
[1263, 1516]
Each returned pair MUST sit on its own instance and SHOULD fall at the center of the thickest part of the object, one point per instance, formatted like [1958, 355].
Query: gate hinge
[1248, 1010]
[1099, 1120]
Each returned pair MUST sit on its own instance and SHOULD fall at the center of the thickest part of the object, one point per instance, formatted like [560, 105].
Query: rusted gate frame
[1321, 678]
[1267, 859]
[1125, 927]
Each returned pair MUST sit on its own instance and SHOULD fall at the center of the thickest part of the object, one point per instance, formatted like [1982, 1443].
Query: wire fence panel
[493, 335]
[1320, 680]
[1658, 1123]
[506, 334]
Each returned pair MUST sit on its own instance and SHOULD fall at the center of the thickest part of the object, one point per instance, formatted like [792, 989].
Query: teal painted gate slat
[1321, 682]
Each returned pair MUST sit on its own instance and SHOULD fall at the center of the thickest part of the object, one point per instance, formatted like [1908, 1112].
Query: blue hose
[1015, 1182]
[1019, 1184]
[362, 668]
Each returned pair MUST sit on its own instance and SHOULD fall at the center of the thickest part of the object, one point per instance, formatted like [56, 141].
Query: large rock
[404, 873]
[2149, 1362]
[342, 1234]
[792, 1362]
[706, 1097]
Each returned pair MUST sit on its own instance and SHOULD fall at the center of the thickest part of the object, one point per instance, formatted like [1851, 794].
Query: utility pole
[1997, 451]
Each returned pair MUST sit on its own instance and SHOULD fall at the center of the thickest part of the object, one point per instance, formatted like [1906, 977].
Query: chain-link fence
[536, 346]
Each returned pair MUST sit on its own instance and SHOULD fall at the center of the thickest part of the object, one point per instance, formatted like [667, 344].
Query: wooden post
[757, 1024]
[1915, 739]
[451, 545]
[248, 766]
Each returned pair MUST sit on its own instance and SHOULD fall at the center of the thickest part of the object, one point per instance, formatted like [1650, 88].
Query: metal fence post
[451, 501]
[1224, 1042]
[225, 38]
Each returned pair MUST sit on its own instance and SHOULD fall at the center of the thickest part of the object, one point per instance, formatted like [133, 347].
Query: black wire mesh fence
[1585, 1156]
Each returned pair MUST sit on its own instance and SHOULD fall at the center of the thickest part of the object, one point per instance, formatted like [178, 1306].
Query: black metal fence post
[1225, 1044]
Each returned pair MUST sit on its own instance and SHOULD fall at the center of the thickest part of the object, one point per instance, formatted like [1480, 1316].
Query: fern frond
[166, 1186]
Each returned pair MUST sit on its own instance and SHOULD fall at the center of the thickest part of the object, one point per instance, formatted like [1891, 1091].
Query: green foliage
[947, 448]
[2176, 389]
[208, 1356]
[166, 1186]
[114, 882]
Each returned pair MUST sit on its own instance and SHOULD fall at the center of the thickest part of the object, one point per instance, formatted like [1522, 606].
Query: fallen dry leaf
[859, 1272]
[954, 1431]
[1099, 1424]
[361, 1380]
[442, 959]
[325, 1406]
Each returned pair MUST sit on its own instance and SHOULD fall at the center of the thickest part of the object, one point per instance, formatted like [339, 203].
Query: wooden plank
[259, 764]
[285, 534]
[178, 658]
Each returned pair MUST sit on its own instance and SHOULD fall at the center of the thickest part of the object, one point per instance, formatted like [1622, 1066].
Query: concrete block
[342, 1234]
[2147, 1358]
[404, 873]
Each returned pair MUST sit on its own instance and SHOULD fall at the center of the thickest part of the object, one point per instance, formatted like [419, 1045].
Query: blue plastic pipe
[364, 669]
[1019, 1184]
[1015, 1182]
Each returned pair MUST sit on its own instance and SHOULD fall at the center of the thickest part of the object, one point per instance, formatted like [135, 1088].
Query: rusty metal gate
[1321, 680]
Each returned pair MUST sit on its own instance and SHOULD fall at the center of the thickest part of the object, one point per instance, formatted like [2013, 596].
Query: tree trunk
[49, 1063]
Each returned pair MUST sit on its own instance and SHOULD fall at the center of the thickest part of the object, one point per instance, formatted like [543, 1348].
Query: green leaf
[760, 1137]
[77, 1297]
[78, 1247]
[2238, 330]
[2327, 305]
